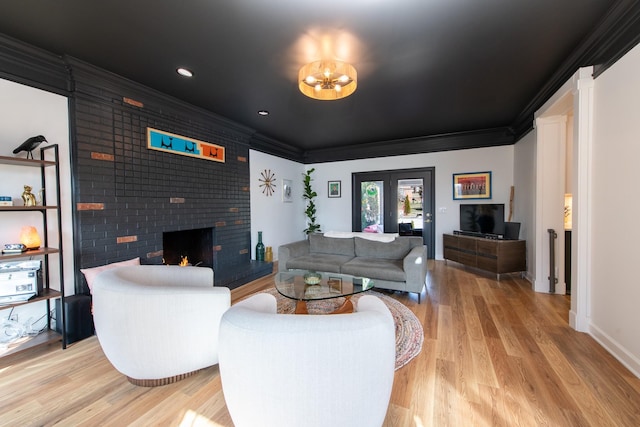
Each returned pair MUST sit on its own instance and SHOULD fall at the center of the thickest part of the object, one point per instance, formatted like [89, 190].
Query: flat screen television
[484, 218]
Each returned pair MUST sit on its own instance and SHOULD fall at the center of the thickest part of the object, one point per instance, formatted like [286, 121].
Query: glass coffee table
[305, 285]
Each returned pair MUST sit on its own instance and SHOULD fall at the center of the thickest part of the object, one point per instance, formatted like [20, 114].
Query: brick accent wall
[126, 195]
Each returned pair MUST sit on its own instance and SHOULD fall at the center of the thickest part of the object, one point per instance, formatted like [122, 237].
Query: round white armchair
[291, 370]
[158, 324]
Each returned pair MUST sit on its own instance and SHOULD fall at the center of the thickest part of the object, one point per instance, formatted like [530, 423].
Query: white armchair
[307, 370]
[158, 324]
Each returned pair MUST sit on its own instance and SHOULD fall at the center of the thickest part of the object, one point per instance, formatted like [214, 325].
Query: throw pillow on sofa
[91, 273]
[326, 245]
[397, 249]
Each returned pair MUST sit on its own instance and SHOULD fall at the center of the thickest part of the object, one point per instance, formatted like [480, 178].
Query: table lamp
[29, 237]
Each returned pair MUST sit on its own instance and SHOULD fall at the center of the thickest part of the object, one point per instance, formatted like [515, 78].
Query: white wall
[279, 222]
[615, 291]
[524, 182]
[284, 222]
[334, 214]
[25, 112]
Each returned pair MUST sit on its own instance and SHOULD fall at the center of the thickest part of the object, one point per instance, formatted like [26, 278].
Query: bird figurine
[30, 144]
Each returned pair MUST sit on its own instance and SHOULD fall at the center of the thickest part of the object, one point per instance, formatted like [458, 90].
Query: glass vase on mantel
[260, 248]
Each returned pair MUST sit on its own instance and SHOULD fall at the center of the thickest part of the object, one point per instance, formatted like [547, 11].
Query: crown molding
[616, 34]
[32, 66]
[276, 148]
[427, 144]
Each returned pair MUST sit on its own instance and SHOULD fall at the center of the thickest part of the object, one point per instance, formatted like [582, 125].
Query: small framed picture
[335, 189]
[335, 285]
[476, 185]
[287, 195]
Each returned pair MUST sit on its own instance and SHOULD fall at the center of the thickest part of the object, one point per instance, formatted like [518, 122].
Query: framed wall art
[184, 146]
[287, 195]
[335, 189]
[476, 185]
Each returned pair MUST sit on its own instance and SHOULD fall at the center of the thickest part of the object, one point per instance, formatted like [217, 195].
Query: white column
[581, 235]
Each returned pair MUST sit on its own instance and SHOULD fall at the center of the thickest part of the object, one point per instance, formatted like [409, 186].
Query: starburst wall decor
[268, 182]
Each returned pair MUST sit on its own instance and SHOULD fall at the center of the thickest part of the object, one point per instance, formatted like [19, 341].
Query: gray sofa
[399, 265]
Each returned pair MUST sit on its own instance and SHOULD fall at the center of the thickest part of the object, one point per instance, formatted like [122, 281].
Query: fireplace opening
[195, 245]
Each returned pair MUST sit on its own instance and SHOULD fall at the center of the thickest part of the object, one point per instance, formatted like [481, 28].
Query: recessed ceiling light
[263, 113]
[184, 72]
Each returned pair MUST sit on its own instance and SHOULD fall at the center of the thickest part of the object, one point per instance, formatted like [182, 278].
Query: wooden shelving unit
[47, 294]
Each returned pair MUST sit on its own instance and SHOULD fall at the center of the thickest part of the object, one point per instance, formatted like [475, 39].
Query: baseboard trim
[618, 351]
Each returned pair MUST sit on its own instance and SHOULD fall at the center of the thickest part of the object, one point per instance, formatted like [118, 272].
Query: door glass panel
[372, 209]
[410, 204]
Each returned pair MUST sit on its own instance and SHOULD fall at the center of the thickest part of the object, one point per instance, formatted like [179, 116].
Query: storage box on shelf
[48, 159]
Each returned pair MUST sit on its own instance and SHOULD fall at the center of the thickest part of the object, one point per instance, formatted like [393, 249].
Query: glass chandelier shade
[327, 80]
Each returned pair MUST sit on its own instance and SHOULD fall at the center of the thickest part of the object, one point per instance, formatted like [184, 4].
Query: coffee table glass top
[305, 285]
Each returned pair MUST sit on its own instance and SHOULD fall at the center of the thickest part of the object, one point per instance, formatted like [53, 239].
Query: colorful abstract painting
[184, 146]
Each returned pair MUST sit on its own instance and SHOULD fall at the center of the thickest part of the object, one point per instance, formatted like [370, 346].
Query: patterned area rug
[409, 333]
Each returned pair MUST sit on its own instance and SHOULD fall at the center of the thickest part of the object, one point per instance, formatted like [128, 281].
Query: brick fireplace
[127, 196]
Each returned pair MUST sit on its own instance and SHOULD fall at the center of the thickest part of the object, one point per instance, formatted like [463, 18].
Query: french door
[399, 201]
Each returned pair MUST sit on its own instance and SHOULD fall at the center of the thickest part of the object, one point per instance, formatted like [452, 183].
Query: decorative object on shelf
[334, 189]
[28, 197]
[14, 248]
[184, 146]
[512, 192]
[29, 145]
[6, 201]
[29, 238]
[260, 248]
[268, 181]
[335, 284]
[268, 254]
[476, 185]
[327, 80]
[312, 278]
[287, 191]
[309, 195]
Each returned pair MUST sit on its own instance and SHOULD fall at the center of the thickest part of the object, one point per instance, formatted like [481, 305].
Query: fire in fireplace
[195, 245]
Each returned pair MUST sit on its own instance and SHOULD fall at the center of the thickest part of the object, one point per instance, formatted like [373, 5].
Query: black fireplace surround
[195, 245]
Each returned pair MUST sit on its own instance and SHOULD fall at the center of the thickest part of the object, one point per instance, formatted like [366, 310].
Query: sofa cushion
[318, 262]
[397, 249]
[326, 245]
[375, 268]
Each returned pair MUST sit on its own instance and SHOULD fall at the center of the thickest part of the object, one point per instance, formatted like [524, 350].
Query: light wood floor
[495, 354]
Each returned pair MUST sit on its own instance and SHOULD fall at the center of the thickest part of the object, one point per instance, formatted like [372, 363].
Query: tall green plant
[407, 206]
[309, 195]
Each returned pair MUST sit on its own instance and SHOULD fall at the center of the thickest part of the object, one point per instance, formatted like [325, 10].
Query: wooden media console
[494, 255]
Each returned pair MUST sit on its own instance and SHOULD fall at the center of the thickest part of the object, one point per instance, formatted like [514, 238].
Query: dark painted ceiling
[425, 67]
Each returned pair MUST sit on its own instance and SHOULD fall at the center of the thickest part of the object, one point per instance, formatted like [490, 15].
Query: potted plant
[309, 195]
